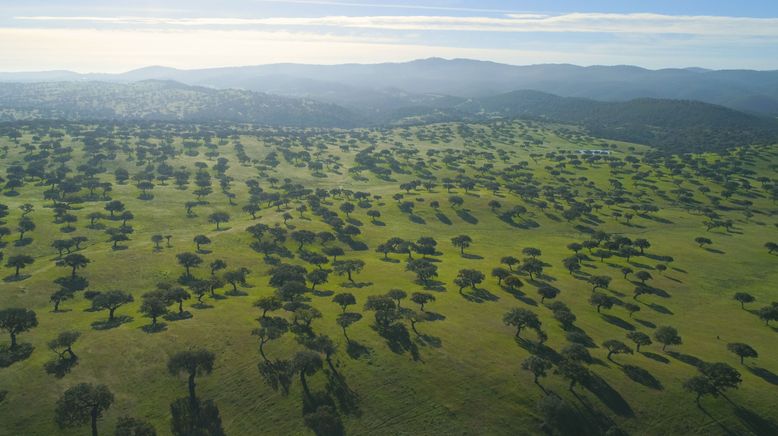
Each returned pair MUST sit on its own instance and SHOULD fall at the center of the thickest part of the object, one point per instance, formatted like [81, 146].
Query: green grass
[472, 383]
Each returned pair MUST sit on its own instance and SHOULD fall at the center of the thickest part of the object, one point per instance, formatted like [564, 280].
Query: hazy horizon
[87, 36]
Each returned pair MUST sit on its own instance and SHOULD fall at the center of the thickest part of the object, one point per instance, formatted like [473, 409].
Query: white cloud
[525, 22]
[102, 50]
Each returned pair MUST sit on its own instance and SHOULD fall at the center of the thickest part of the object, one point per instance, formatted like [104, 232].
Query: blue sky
[102, 36]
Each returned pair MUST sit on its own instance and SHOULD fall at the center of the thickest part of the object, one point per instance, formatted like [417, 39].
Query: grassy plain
[469, 383]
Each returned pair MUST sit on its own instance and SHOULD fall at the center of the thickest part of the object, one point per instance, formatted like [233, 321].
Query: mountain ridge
[670, 125]
[745, 90]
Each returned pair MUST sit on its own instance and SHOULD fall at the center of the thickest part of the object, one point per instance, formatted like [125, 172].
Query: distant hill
[388, 86]
[672, 125]
[666, 124]
[162, 100]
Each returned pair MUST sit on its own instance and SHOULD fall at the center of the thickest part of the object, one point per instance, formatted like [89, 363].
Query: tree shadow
[14, 278]
[713, 418]
[354, 222]
[178, 316]
[755, 423]
[466, 216]
[22, 242]
[443, 218]
[277, 374]
[416, 219]
[356, 350]
[195, 418]
[521, 296]
[356, 284]
[399, 340]
[318, 293]
[479, 295]
[430, 341]
[107, 324]
[378, 223]
[609, 396]
[642, 376]
[60, 367]
[654, 356]
[659, 308]
[618, 322]
[687, 359]
[9, 356]
[321, 416]
[347, 399]
[471, 256]
[764, 374]
[645, 323]
[154, 328]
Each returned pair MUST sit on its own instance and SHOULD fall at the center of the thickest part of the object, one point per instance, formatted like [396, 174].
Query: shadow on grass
[154, 328]
[757, 424]
[60, 367]
[356, 350]
[338, 388]
[107, 324]
[399, 340]
[661, 309]
[466, 216]
[178, 316]
[15, 278]
[609, 396]
[478, 295]
[416, 219]
[640, 375]
[645, 323]
[654, 356]
[9, 356]
[764, 374]
[443, 218]
[687, 359]
[22, 242]
[356, 284]
[618, 322]
[195, 417]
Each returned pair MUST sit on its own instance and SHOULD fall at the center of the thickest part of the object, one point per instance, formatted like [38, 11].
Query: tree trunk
[192, 396]
[13, 340]
[262, 351]
[181, 306]
[94, 420]
[306, 392]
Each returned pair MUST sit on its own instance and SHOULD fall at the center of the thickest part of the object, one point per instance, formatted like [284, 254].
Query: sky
[119, 35]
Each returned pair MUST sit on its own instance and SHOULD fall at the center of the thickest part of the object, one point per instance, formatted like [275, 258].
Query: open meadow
[491, 278]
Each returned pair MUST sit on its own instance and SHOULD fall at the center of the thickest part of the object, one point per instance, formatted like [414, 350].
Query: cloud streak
[643, 23]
